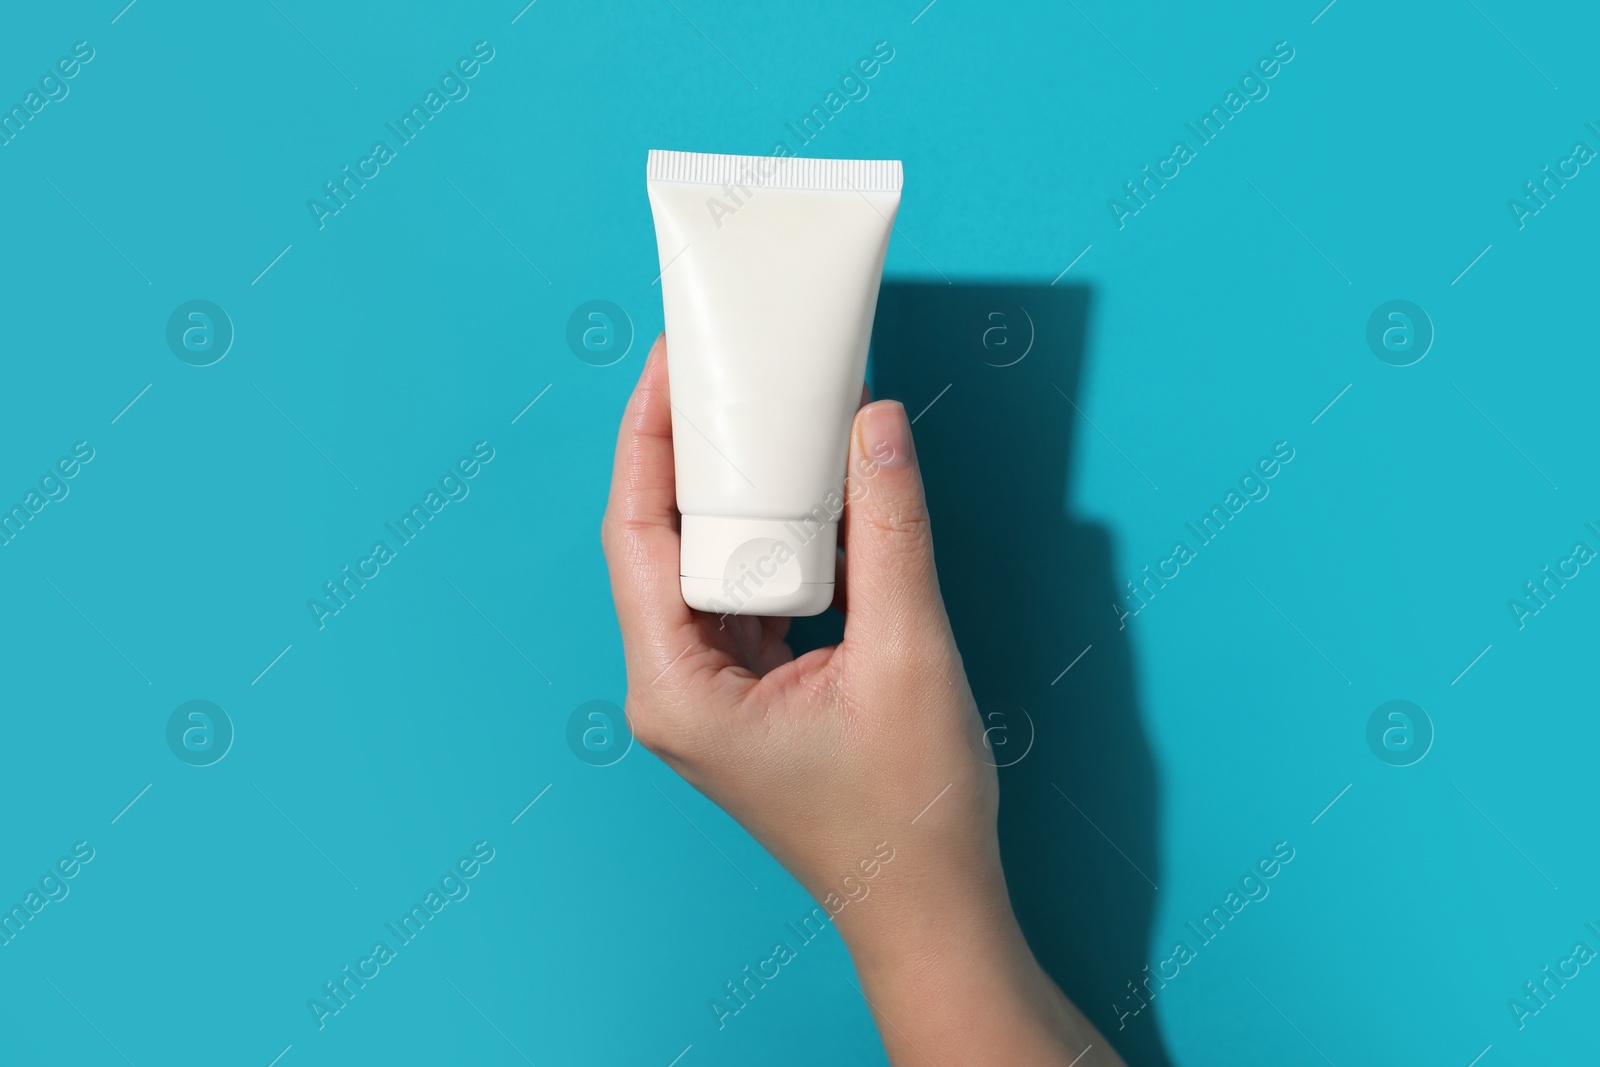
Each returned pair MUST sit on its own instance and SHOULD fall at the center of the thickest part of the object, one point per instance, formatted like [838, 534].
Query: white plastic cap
[757, 566]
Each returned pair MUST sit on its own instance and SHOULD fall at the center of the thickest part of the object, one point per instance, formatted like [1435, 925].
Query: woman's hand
[849, 754]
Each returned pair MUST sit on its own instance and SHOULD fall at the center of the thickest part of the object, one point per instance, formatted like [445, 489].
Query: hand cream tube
[769, 275]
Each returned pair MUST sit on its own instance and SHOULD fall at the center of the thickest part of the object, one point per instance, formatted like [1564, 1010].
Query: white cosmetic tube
[769, 275]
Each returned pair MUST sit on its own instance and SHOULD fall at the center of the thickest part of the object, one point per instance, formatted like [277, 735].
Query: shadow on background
[1029, 588]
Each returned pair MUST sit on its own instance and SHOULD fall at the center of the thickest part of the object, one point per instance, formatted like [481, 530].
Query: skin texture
[847, 754]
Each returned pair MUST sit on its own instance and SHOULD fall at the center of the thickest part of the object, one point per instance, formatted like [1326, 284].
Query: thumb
[892, 588]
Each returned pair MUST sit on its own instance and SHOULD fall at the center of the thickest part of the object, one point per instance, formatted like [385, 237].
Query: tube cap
[757, 566]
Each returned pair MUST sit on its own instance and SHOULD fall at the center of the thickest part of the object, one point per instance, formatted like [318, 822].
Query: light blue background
[413, 326]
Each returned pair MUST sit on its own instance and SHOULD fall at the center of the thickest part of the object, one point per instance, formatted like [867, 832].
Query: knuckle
[613, 525]
[620, 542]
[903, 522]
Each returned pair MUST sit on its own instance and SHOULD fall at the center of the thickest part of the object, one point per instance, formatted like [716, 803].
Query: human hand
[844, 755]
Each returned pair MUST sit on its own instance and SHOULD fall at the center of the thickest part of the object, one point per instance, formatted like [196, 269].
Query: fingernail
[886, 433]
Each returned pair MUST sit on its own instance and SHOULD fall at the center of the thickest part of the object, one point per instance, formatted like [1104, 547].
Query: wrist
[954, 978]
[970, 997]
[944, 921]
